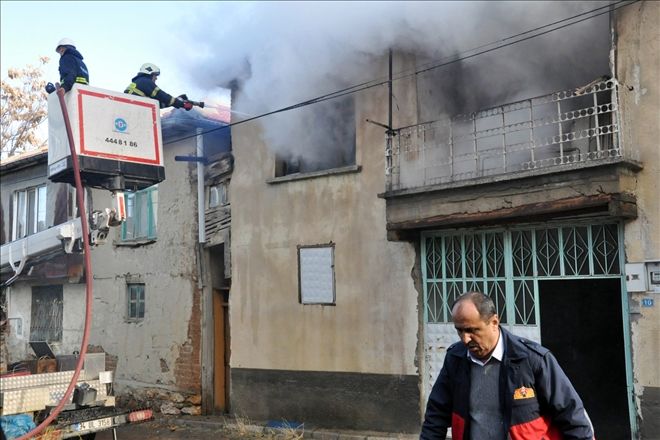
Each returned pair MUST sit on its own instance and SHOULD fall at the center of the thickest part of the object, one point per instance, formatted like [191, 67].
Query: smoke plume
[281, 53]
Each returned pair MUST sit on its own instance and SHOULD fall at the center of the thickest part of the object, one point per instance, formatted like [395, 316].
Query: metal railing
[566, 127]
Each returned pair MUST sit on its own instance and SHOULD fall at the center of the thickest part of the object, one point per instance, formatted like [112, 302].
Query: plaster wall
[373, 326]
[638, 70]
[148, 350]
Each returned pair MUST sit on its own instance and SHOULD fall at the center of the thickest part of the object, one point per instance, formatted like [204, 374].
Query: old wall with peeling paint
[150, 351]
[638, 61]
[162, 350]
[373, 326]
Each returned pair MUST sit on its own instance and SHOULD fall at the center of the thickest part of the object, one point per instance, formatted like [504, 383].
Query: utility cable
[405, 74]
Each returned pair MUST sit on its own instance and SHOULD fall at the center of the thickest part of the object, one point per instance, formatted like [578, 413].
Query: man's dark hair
[485, 306]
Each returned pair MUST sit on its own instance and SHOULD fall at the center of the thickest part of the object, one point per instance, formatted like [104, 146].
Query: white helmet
[65, 42]
[150, 69]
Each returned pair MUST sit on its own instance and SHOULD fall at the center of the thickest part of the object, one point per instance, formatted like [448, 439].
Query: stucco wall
[162, 349]
[373, 326]
[638, 60]
[149, 351]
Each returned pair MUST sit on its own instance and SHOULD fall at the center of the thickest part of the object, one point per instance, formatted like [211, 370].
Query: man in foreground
[494, 384]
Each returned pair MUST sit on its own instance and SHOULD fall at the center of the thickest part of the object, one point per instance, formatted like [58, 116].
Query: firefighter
[144, 84]
[72, 68]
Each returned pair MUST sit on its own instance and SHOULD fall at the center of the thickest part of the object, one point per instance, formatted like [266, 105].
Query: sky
[114, 37]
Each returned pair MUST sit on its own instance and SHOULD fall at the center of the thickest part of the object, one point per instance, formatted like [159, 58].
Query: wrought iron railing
[566, 127]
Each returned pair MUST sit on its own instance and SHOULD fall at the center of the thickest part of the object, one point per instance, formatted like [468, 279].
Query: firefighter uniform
[144, 85]
[72, 68]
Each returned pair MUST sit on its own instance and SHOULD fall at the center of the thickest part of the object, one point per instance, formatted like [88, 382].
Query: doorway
[582, 324]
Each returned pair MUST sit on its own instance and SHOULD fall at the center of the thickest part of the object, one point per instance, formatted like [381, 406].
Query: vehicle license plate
[94, 424]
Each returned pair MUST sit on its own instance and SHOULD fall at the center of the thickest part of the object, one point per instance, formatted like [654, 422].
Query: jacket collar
[513, 348]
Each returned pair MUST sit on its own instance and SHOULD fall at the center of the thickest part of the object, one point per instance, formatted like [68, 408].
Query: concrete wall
[638, 61]
[371, 330]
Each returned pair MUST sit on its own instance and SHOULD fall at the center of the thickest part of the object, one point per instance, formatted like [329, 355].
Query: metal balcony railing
[566, 127]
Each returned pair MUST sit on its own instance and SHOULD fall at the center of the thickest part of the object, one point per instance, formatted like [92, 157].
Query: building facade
[343, 276]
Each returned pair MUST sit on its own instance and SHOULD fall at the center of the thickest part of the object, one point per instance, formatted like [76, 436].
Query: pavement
[219, 427]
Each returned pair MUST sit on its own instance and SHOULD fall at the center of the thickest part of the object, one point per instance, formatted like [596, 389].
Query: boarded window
[135, 296]
[141, 215]
[46, 316]
[316, 272]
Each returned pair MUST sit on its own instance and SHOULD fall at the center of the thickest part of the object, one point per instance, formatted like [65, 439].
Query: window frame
[135, 197]
[139, 300]
[29, 213]
[301, 294]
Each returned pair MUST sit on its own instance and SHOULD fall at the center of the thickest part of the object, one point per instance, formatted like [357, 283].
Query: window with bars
[136, 301]
[141, 215]
[46, 313]
[507, 264]
[29, 211]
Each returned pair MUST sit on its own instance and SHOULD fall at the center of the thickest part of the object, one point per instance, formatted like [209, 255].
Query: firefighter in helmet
[144, 84]
[72, 68]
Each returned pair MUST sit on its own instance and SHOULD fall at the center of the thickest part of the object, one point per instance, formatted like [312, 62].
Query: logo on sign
[120, 125]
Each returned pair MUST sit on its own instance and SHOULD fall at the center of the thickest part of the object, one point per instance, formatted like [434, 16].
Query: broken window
[316, 274]
[135, 297]
[141, 215]
[30, 209]
[46, 314]
[321, 137]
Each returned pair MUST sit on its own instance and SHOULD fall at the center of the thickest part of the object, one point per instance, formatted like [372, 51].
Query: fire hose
[88, 274]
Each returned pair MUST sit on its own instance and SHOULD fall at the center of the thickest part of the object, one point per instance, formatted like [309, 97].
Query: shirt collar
[498, 352]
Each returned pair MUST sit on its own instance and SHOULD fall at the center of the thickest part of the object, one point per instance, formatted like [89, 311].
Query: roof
[25, 158]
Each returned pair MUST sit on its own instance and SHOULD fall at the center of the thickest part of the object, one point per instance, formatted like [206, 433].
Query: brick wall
[187, 369]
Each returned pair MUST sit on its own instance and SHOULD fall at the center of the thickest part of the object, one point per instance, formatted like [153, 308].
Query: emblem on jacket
[523, 393]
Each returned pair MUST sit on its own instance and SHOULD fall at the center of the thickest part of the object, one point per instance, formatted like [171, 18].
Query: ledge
[302, 176]
[516, 175]
[134, 243]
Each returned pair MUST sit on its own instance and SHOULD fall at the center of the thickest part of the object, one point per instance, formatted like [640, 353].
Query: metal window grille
[46, 314]
[507, 264]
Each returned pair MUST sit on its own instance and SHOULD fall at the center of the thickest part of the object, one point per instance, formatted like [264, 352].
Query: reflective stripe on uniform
[133, 90]
[155, 92]
[81, 80]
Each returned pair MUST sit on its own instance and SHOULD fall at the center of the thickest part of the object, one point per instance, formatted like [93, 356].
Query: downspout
[206, 304]
[200, 188]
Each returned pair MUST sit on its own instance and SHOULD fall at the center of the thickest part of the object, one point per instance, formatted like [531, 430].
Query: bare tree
[24, 108]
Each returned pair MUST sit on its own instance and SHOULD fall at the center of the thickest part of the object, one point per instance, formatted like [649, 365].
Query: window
[135, 296]
[30, 209]
[46, 314]
[316, 274]
[141, 215]
[322, 138]
[219, 194]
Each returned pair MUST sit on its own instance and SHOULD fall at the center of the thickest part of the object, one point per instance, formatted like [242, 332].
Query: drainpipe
[200, 188]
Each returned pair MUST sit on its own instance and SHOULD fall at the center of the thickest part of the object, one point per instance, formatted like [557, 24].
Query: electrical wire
[405, 74]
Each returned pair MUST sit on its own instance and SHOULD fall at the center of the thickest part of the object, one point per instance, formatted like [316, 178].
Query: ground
[221, 428]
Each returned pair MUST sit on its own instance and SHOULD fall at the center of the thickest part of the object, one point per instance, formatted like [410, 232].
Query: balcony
[549, 157]
[545, 134]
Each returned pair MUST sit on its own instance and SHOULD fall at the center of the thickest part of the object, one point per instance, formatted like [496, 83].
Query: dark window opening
[326, 141]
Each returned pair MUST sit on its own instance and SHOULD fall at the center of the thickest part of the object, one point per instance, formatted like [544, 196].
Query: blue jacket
[537, 399]
[143, 85]
[72, 69]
